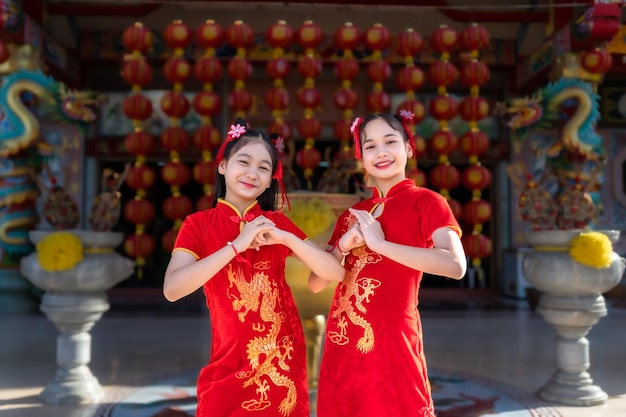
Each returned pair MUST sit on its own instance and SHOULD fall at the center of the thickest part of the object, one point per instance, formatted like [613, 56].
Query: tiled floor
[515, 347]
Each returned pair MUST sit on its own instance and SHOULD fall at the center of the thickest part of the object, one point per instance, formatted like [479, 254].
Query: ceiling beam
[456, 14]
[101, 9]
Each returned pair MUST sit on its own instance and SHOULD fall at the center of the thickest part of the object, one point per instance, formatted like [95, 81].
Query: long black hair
[267, 200]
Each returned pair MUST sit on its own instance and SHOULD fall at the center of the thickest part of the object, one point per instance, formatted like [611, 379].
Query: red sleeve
[285, 223]
[189, 237]
[439, 215]
[340, 228]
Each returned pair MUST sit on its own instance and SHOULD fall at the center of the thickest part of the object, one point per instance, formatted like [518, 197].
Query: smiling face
[247, 174]
[385, 153]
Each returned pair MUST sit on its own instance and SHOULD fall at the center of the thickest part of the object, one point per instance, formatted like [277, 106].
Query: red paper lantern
[240, 35]
[346, 98]
[443, 107]
[309, 127]
[204, 172]
[476, 177]
[308, 158]
[278, 68]
[474, 73]
[309, 66]
[280, 127]
[175, 138]
[378, 37]
[175, 104]
[414, 106]
[168, 240]
[410, 43]
[207, 103]
[347, 36]
[597, 61]
[137, 38]
[418, 176]
[474, 108]
[204, 203]
[308, 97]
[139, 211]
[140, 177]
[420, 145]
[5, 53]
[444, 39]
[134, 72]
[474, 143]
[207, 138]
[378, 101]
[139, 142]
[175, 173]
[177, 207]
[139, 246]
[378, 71]
[476, 245]
[347, 68]
[477, 212]
[177, 35]
[277, 98]
[208, 69]
[341, 129]
[309, 35]
[410, 78]
[279, 35]
[474, 38]
[137, 107]
[177, 70]
[240, 100]
[209, 35]
[444, 176]
[239, 68]
[443, 73]
[443, 142]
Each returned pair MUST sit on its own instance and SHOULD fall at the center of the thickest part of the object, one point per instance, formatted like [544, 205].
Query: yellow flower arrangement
[59, 251]
[592, 249]
[313, 216]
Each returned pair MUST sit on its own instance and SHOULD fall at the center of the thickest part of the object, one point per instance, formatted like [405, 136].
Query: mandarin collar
[396, 188]
[229, 209]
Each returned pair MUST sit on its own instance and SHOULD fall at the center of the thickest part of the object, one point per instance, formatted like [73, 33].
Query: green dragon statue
[22, 151]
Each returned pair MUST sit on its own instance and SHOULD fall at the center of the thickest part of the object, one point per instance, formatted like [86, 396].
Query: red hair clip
[235, 132]
[355, 129]
[279, 144]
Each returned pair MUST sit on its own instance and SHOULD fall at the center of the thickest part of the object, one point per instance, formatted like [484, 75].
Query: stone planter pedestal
[571, 300]
[74, 301]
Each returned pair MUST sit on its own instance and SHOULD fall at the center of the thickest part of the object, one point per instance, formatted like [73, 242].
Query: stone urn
[74, 300]
[314, 307]
[571, 300]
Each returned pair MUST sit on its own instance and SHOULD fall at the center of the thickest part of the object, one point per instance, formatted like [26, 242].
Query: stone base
[571, 389]
[74, 387]
[16, 294]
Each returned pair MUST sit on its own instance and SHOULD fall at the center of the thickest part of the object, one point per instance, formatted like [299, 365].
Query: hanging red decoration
[596, 61]
[137, 107]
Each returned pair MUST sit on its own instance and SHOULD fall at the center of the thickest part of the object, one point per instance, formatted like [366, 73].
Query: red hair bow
[279, 144]
[355, 129]
[406, 117]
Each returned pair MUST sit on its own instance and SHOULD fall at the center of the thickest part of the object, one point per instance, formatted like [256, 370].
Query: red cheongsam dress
[257, 365]
[373, 362]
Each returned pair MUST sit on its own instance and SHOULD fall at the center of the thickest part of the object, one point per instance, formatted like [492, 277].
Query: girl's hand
[353, 238]
[369, 227]
[253, 234]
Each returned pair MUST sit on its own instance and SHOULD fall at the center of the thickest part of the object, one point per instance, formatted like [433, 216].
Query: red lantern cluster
[137, 107]
[443, 108]
[175, 139]
[240, 35]
[409, 79]
[346, 98]
[207, 139]
[377, 39]
[474, 143]
[309, 36]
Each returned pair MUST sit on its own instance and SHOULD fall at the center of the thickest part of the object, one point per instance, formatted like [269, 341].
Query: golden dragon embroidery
[267, 353]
